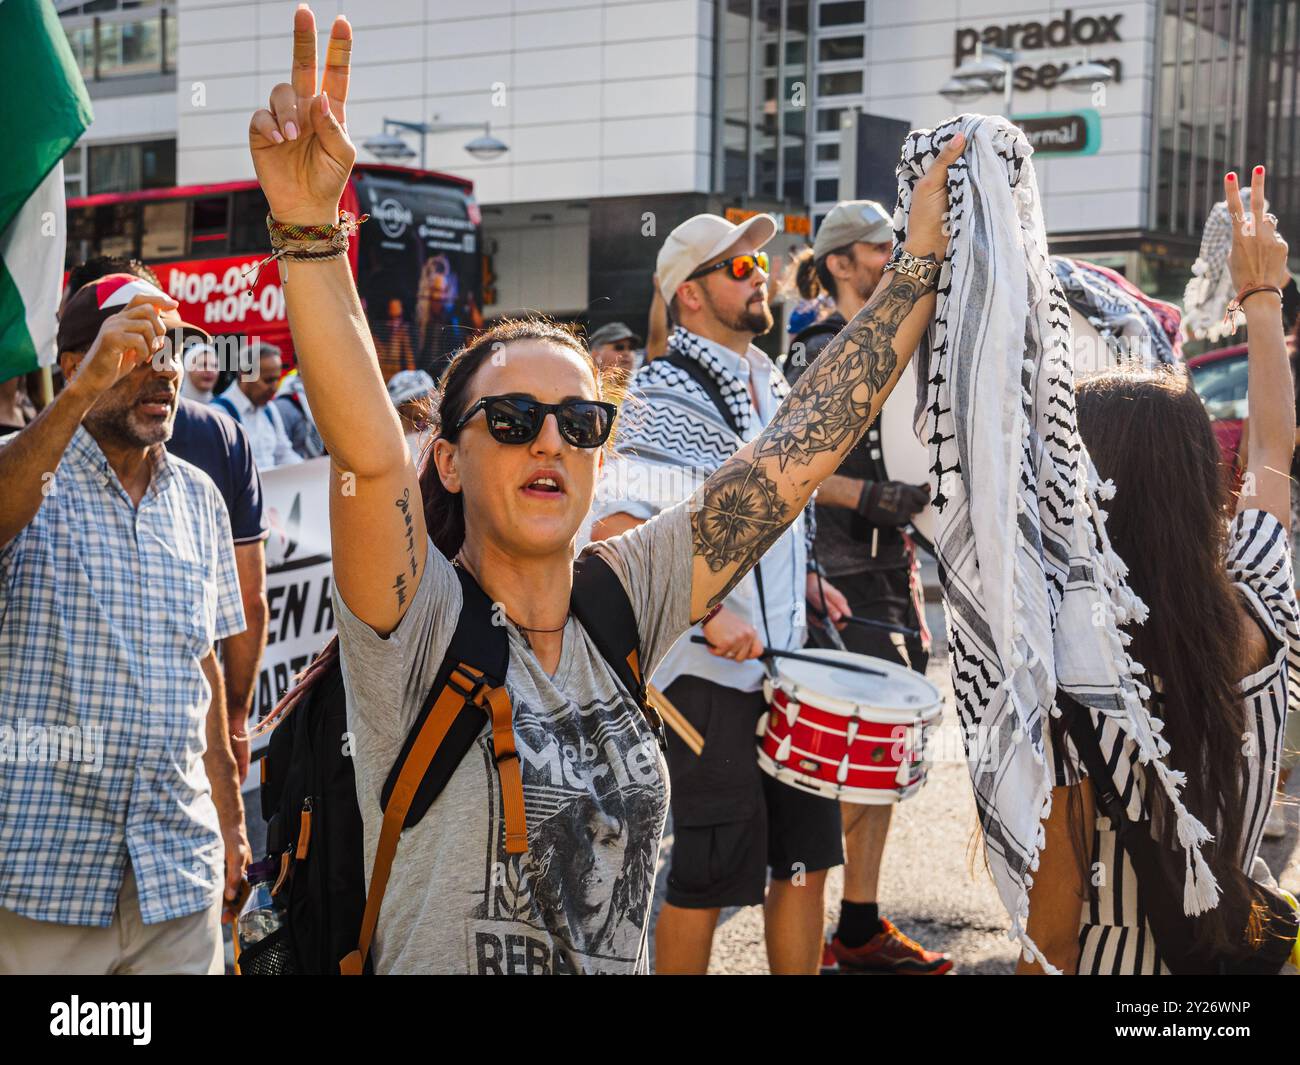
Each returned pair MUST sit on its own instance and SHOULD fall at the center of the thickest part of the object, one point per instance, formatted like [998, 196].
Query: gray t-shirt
[595, 784]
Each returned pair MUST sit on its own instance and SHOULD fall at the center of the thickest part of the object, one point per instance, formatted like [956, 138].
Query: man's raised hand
[130, 337]
[299, 143]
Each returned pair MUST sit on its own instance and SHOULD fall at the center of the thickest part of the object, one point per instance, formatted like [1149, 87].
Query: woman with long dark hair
[524, 416]
[1215, 646]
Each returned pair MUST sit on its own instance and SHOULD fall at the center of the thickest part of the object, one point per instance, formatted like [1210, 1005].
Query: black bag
[308, 792]
[1160, 872]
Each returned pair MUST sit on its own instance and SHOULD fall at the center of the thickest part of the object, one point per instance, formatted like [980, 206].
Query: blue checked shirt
[106, 612]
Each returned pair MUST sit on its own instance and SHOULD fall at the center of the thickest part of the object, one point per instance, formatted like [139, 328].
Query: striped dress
[1113, 935]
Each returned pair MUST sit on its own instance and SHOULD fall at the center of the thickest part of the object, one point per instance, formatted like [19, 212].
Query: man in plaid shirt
[120, 816]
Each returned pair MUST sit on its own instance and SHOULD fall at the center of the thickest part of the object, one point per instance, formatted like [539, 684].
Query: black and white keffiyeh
[1206, 298]
[1034, 595]
[671, 434]
[1126, 325]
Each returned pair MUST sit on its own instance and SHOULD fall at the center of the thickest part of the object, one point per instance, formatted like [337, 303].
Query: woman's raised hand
[1258, 255]
[300, 145]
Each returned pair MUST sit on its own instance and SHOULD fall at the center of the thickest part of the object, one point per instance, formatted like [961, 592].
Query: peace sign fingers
[303, 74]
[338, 65]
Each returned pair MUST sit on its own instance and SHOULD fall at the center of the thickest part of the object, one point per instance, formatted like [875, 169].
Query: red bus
[417, 261]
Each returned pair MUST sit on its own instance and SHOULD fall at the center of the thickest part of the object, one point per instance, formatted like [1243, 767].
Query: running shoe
[889, 951]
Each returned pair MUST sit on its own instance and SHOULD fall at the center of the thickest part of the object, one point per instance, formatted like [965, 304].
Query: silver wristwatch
[925, 271]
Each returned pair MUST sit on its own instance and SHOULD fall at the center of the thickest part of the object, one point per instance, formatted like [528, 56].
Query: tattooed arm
[744, 507]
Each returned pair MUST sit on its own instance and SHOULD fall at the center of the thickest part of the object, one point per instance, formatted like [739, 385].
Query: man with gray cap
[248, 401]
[860, 543]
[709, 394]
[614, 346]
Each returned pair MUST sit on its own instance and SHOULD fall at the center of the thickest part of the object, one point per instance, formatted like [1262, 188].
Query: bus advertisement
[417, 261]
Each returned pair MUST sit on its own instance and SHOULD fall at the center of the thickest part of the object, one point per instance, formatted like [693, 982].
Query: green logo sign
[1062, 132]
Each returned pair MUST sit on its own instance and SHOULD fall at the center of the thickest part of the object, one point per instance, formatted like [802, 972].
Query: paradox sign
[1064, 32]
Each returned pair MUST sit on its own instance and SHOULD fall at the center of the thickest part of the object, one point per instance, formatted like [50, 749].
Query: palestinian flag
[42, 115]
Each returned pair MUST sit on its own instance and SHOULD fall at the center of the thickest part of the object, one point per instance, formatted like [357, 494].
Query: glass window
[842, 14]
[828, 153]
[158, 164]
[130, 48]
[164, 230]
[130, 167]
[828, 119]
[832, 48]
[117, 230]
[826, 189]
[842, 83]
[1222, 387]
[210, 226]
[248, 222]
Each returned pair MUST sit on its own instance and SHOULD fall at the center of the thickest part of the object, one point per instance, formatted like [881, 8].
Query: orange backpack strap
[464, 683]
[508, 769]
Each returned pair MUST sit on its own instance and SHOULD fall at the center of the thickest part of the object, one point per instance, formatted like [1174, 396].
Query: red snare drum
[844, 735]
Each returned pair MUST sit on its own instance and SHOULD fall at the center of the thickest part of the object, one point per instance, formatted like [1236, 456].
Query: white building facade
[623, 117]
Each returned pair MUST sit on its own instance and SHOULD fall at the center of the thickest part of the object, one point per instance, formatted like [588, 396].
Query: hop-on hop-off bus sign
[417, 263]
[1062, 132]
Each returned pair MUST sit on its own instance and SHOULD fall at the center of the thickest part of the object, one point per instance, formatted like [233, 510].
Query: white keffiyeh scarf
[1206, 298]
[1034, 595]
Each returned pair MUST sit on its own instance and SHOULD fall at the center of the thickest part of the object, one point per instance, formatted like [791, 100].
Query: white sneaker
[1275, 826]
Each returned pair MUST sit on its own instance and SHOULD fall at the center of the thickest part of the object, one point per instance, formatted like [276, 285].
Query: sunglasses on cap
[738, 266]
[583, 423]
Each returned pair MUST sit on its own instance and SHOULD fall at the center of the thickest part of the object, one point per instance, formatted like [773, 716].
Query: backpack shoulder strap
[602, 607]
[470, 682]
[701, 377]
[228, 407]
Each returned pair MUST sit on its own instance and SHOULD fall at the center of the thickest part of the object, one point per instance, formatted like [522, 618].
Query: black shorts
[731, 821]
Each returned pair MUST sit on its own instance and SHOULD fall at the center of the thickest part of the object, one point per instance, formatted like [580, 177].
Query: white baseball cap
[699, 239]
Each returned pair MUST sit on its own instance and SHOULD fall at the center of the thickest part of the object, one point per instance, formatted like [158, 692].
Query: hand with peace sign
[1257, 263]
[300, 145]
[1258, 256]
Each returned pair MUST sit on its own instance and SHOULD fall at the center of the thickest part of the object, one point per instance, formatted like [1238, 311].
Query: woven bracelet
[294, 243]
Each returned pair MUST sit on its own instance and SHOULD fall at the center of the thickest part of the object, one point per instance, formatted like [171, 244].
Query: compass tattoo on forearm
[741, 511]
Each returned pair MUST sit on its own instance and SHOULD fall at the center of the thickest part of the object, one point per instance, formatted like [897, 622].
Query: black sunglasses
[738, 266]
[518, 419]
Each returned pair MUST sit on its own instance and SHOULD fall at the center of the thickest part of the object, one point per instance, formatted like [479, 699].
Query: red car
[1219, 378]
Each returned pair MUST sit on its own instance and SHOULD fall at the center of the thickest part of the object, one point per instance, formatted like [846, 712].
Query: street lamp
[959, 89]
[390, 147]
[992, 69]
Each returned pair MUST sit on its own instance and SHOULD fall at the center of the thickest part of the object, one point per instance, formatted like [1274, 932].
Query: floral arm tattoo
[745, 506]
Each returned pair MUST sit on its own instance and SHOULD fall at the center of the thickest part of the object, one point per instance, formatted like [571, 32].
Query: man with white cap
[711, 392]
[860, 543]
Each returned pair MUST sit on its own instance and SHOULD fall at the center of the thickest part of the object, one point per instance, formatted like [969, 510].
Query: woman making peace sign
[525, 418]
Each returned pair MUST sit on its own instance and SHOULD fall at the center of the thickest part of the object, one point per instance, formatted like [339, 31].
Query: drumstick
[674, 719]
[902, 630]
[769, 652]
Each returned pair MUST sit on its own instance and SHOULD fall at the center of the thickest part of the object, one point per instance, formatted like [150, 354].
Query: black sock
[859, 921]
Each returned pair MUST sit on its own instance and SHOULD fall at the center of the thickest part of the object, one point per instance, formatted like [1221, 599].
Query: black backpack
[308, 792]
